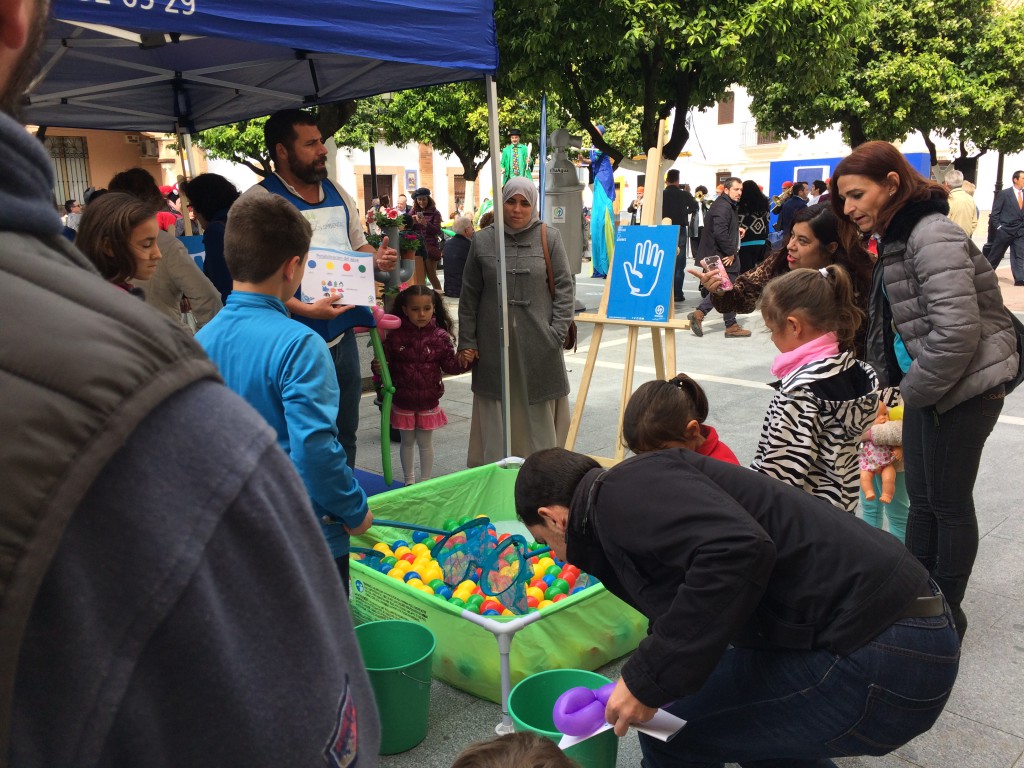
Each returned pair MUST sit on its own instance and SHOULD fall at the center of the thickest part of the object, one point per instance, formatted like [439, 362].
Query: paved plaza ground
[983, 724]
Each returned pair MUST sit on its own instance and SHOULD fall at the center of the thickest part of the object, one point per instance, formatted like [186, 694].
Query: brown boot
[695, 318]
[736, 332]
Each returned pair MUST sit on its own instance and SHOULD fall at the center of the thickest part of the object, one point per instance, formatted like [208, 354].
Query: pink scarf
[814, 350]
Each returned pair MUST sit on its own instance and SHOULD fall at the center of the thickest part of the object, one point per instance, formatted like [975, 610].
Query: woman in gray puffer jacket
[939, 330]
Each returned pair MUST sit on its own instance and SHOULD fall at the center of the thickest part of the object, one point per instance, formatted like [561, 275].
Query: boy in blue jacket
[282, 368]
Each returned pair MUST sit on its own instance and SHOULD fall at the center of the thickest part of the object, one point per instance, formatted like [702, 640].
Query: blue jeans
[346, 364]
[796, 709]
[942, 453]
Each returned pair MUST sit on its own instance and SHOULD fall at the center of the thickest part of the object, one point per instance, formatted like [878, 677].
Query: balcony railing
[751, 137]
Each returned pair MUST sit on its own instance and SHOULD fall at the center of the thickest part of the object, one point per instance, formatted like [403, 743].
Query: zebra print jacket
[813, 425]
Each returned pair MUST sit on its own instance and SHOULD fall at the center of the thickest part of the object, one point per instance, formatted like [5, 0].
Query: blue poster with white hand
[642, 271]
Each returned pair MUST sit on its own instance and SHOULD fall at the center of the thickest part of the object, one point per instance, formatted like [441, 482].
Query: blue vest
[329, 330]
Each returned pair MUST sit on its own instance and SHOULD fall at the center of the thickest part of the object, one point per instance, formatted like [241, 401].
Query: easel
[664, 355]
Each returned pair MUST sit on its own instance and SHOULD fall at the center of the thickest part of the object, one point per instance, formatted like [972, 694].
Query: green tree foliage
[951, 67]
[641, 59]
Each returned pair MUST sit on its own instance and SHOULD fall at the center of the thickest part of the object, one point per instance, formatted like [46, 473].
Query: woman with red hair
[938, 329]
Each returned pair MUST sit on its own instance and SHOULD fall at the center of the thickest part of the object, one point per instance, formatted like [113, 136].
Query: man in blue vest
[296, 146]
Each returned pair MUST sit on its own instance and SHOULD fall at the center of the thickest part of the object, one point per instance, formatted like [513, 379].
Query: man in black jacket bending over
[783, 630]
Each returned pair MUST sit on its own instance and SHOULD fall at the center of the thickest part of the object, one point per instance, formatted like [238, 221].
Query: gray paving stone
[964, 743]
[989, 689]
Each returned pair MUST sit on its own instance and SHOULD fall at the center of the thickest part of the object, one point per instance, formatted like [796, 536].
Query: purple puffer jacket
[416, 357]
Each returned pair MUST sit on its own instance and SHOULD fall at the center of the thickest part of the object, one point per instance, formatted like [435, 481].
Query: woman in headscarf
[537, 323]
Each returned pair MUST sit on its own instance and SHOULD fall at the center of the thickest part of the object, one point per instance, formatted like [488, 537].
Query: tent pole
[187, 169]
[499, 234]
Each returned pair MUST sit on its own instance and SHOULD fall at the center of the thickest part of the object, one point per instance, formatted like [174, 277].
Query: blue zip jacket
[284, 370]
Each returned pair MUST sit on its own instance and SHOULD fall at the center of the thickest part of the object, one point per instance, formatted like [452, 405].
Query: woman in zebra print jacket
[826, 398]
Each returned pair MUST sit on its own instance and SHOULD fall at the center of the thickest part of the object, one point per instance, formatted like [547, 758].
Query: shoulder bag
[570, 336]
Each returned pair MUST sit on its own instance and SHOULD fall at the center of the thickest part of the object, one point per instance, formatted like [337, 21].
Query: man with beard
[160, 560]
[296, 146]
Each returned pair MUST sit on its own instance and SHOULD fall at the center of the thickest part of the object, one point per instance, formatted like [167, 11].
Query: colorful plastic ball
[400, 543]
[562, 584]
[419, 536]
[551, 592]
[560, 596]
[544, 604]
[413, 575]
[549, 580]
[545, 563]
[532, 601]
[575, 590]
[465, 519]
[414, 582]
[489, 613]
[450, 524]
[390, 559]
[458, 602]
[424, 588]
[475, 600]
[553, 570]
[444, 591]
[385, 568]
[507, 612]
[396, 573]
[539, 584]
[383, 548]
[401, 551]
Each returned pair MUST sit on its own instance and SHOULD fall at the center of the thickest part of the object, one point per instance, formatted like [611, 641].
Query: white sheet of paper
[347, 275]
[662, 726]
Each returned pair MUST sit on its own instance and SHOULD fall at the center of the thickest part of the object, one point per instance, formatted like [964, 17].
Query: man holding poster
[283, 369]
[296, 146]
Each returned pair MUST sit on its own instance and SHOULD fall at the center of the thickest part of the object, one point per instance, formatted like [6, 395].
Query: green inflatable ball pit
[532, 702]
[397, 656]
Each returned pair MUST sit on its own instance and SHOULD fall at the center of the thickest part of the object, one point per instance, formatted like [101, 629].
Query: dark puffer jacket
[416, 358]
[933, 284]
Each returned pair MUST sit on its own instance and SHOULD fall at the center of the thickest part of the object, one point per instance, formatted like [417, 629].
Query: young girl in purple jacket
[418, 353]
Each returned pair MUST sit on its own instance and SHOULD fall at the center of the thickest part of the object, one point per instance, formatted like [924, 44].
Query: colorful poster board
[347, 275]
[640, 280]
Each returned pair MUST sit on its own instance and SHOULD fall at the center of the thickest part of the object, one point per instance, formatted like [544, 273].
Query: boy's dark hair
[280, 129]
[68, 205]
[106, 231]
[825, 301]
[513, 750]
[209, 194]
[819, 186]
[140, 184]
[547, 478]
[672, 177]
[659, 411]
[797, 188]
[262, 233]
[441, 315]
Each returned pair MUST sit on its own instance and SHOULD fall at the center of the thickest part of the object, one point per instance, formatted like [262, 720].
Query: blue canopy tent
[180, 66]
[173, 65]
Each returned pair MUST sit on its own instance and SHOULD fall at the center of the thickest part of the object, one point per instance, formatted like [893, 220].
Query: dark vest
[82, 363]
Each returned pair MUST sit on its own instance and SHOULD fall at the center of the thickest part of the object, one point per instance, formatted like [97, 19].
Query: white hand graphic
[643, 271]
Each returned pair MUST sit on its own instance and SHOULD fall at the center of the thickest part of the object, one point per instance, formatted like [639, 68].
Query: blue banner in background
[195, 247]
[641, 273]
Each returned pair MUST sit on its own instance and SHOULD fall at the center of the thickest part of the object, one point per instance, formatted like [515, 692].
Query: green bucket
[397, 655]
[532, 702]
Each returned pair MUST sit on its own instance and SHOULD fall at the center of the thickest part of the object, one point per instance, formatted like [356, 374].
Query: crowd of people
[180, 507]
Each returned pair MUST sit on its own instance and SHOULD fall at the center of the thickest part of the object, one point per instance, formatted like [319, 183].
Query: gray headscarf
[520, 185]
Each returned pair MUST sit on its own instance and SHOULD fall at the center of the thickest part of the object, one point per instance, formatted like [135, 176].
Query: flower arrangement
[408, 241]
[389, 217]
[374, 240]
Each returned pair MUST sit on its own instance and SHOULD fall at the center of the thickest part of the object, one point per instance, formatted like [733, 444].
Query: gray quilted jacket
[933, 285]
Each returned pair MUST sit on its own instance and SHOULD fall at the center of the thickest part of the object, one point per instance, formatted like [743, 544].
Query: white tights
[422, 439]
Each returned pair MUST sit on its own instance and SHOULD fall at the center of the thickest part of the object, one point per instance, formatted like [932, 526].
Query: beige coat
[962, 210]
[177, 277]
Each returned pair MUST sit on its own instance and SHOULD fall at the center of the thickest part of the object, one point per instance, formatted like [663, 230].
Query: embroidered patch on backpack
[342, 751]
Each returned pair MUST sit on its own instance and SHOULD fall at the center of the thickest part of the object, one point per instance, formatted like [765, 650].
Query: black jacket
[678, 205]
[716, 554]
[721, 230]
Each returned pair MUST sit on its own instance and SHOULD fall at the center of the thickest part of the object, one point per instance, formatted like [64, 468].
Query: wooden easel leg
[670, 351]
[659, 355]
[627, 387]
[581, 395]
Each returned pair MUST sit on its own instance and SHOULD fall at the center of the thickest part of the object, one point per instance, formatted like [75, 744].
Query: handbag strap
[547, 257]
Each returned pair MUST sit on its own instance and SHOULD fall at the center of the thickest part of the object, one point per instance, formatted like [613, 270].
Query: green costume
[515, 161]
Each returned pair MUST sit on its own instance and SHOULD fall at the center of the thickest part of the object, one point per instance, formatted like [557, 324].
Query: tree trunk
[933, 155]
[854, 128]
[685, 80]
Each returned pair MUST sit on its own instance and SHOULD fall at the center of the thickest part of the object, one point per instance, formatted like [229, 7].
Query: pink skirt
[433, 418]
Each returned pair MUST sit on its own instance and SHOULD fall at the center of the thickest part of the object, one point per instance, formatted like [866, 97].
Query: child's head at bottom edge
[513, 750]
[665, 414]
[263, 234]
